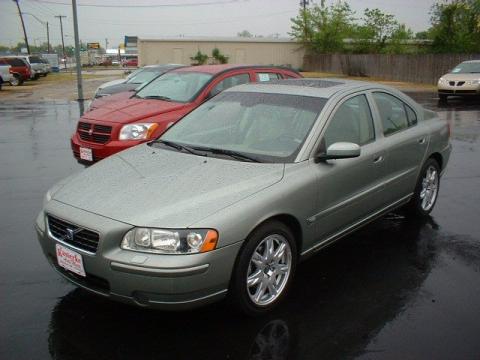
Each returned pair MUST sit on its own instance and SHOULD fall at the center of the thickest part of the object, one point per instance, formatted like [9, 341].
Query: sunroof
[307, 82]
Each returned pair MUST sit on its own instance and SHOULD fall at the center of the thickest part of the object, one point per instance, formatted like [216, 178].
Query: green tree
[322, 28]
[200, 58]
[219, 57]
[245, 33]
[380, 33]
[456, 26]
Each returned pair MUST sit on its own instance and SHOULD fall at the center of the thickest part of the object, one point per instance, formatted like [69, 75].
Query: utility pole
[44, 24]
[48, 39]
[63, 43]
[106, 44]
[77, 56]
[23, 25]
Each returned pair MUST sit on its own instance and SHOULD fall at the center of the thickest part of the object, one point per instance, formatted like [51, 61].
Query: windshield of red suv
[144, 76]
[175, 86]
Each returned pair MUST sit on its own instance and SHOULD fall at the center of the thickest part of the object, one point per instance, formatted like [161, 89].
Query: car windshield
[466, 68]
[35, 59]
[144, 76]
[247, 126]
[175, 86]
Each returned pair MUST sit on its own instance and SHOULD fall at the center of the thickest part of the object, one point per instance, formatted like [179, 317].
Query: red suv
[20, 70]
[125, 120]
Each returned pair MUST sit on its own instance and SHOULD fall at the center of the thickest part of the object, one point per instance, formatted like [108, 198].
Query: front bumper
[458, 90]
[171, 282]
[100, 151]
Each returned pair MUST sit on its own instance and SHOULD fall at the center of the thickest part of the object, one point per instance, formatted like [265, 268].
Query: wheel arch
[291, 222]
[438, 158]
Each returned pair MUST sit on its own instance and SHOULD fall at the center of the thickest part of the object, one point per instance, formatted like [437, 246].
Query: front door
[349, 189]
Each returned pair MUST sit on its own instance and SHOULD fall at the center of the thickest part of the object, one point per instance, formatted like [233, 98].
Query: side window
[412, 117]
[352, 122]
[229, 82]
[392, 112]
[261, 77]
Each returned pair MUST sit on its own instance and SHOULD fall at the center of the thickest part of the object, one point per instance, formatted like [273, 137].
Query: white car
[5, 75]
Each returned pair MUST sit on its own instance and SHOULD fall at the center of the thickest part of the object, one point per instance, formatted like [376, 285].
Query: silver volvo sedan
[232, 197]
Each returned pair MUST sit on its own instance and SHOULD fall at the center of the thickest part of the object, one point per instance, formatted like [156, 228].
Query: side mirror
[340, 150]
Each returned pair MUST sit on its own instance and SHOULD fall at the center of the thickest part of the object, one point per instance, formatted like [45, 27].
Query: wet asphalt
[396, 289]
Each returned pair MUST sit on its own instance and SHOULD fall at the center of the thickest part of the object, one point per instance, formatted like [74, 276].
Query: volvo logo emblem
[70, 233]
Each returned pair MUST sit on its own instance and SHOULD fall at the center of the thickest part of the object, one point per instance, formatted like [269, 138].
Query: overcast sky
[158, 18]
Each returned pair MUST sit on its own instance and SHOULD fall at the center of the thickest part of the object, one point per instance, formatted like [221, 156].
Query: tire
[270, 277]
[419, 205]
[442, 97]
[17, 80]
[36, 77]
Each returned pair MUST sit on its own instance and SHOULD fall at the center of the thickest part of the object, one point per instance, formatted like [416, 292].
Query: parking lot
[395, 289]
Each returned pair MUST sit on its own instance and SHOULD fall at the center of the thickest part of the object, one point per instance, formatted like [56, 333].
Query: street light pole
[77, 56]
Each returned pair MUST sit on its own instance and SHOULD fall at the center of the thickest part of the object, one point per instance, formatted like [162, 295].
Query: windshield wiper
[233, 154]
[177, 146]
[157, 97]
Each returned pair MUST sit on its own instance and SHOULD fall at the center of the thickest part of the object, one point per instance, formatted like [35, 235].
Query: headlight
[472, 82]
[162, 241]
[138, 131]
[47, 198]
[442, 80]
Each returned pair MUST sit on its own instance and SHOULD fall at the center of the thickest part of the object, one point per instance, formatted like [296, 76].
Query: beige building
[258, 51]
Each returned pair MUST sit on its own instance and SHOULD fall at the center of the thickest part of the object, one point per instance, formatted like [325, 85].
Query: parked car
[134, 80]
[230, 198]
[37, 67]
[48, 67]
[20, 70]
[463, 80]
[131, 63]
[126, 119]
[5, 73]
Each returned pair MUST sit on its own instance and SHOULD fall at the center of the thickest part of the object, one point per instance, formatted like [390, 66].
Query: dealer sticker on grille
[86, 154]
[70, 260]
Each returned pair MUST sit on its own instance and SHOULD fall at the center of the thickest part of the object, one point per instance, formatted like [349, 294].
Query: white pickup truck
[5, 75]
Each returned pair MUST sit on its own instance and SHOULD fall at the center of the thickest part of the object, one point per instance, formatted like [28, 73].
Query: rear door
[406, 142]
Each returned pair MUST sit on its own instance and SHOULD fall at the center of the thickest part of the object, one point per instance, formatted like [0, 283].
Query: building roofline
[220, 39]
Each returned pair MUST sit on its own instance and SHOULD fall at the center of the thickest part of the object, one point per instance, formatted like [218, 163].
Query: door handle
[378, 159]
[422, 141]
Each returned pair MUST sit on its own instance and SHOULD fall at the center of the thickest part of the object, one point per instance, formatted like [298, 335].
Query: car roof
[471, 61]
[217, 69]
[163, 66]
[316, 87]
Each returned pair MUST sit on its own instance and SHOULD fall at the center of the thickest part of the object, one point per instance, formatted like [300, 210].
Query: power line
[145, 6]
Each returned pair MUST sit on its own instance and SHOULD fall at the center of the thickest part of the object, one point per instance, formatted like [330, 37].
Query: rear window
[267, 76]
[15, 62]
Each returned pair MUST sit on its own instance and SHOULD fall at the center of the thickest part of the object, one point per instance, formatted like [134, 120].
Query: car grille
[94, 133]
[82, 238]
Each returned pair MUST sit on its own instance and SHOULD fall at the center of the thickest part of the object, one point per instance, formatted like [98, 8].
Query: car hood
[130, 109]
[111, 83]
[461, 77]
[147, 186]
[117, 88]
